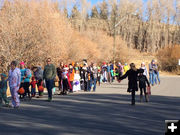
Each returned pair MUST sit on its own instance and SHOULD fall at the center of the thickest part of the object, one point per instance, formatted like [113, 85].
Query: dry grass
[168, 58]
[34, 30]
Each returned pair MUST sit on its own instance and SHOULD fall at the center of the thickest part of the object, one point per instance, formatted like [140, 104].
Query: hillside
[34, 30]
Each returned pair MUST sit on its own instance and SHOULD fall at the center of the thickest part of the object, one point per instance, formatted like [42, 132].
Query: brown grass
[34, 30]
[168, 58]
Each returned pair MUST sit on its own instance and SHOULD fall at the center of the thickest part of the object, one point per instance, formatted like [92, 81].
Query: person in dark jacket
[94, 75]
[85, 76]
[142, 85]
[49, 75]
[59, 74]
[38, 74]
[132, 75]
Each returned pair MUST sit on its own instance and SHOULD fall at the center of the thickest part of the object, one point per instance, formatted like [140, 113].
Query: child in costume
[33, 86]
[14, 78]
[3, 90]
[76, 82]
[65, 81]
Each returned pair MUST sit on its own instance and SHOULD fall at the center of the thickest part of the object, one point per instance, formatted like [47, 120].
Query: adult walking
[151, 72]
[49, 75]
[59, 73]
[94, 75]
[132, 75]
[38, 74]
[109, 72]
[85, 76]
[105, 73]
[156, 73]
[25, 79]
[14, 83]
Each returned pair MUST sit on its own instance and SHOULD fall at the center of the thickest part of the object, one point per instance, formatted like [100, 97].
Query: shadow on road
[90, 114]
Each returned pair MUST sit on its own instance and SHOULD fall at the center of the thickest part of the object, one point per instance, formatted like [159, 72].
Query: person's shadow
[90, 114]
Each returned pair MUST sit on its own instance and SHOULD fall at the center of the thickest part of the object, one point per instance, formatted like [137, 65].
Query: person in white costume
[76, 82]
[14, 83]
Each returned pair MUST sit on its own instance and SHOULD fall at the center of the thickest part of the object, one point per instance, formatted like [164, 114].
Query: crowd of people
[73, 78]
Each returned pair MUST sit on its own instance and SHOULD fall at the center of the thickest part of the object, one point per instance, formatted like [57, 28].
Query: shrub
[168, 58]
[34, 30]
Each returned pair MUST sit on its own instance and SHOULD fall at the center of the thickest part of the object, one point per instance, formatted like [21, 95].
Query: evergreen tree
[66, 12]
[104, 10]
[94, 12]
[75, 14]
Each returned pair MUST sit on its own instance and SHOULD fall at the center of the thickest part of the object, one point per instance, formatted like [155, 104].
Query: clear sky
[94, 1]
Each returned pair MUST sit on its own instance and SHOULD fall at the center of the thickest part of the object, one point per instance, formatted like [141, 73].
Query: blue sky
[94, 1]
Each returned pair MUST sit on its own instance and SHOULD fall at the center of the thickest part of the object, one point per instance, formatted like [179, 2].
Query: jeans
[71, 82]
[33, 91]
[93, 82]
[157, 78]
[152, 78]
[49, 86]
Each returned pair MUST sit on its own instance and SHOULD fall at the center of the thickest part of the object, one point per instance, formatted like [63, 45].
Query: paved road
[106, 112]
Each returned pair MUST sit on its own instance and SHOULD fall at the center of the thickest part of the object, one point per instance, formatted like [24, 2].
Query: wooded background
[32, 30]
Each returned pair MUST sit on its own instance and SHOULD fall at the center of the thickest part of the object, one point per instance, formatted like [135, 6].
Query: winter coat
[142, 81]
[132, 77]
[38, 74]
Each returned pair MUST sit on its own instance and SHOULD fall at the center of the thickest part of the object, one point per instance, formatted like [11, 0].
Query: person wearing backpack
[25, 79]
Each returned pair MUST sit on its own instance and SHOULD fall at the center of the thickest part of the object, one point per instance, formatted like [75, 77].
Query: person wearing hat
[126, 68]
[156, 72]
[25, 79]
[142, 85]
[151, 72]
[143, 66]
[3, 90]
